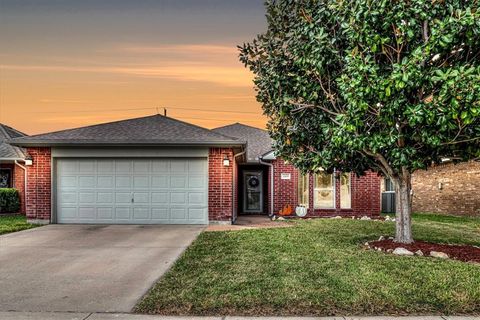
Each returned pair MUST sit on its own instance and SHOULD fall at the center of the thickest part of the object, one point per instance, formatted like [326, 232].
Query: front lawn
[319, 267]
[13, 223]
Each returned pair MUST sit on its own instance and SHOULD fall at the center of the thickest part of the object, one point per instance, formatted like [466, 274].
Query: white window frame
[300, 177]
[334, 204]
[383, 185]
[350, 190]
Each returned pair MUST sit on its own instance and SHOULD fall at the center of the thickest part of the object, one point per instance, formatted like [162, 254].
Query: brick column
[220, 186]
[39, 186]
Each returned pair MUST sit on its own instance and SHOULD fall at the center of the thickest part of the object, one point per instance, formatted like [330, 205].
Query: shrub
[9, 200]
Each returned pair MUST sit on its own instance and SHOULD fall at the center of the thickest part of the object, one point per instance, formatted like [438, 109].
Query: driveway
[87, 268]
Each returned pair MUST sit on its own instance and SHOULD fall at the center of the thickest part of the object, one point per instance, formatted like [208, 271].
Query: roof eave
[12, 159]
[140, 143]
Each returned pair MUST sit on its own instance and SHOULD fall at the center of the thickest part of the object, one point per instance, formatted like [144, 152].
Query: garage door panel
[67, 182]
[87, 167]
[196, 213]
[123, 197]
[160, 213]
[86, 181]
[86, 198]
[68, 166]
[178, 198]
[178, 182]
[178, 166]
[178, 213]
[87, 213]
[104, 198]
[122, 213]
[160, 166]
[160, 198]
[123, 166]
[105, 166]
[140, 198]
[105, 213]
[123, 182]
[196, 167]
[196, 181]
[141, 182]
[132, 191]
[105, 181]
[140, 166]
[196, 198]
[160, 182]
[68, 198]
[69, 212]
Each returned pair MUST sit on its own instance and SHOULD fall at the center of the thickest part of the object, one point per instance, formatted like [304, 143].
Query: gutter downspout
[260, 160]
[25, 183]
[234, 173]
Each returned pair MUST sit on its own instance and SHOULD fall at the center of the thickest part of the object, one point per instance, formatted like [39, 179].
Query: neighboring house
[444, 188]
[12, 163]
[158, 170]
[448, 188]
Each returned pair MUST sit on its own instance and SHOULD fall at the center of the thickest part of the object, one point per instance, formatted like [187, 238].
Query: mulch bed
[458, 252]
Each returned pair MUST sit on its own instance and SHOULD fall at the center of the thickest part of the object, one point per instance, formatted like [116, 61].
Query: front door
[253, 191]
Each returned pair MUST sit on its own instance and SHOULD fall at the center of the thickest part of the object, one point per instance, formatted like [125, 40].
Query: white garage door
[132, 191]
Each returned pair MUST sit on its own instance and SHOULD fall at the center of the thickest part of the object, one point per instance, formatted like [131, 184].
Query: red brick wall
[38, 204]
[19, 184]
[448, 188]
[284, 191]
[365, 193]
[220, 186]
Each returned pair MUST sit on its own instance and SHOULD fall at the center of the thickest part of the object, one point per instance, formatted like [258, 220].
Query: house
[448, 188]
[12, 163]
[159, 170]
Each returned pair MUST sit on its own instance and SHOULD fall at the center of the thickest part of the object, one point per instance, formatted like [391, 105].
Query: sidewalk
[125, 316]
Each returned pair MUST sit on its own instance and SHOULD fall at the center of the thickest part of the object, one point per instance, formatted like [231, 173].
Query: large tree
[385, 85]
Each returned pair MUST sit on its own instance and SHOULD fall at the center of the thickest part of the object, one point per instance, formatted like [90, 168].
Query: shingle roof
[150, 130]
[8, 151]
[258, 140]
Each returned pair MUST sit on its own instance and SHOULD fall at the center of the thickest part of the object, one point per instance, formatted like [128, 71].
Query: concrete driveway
[86, 268]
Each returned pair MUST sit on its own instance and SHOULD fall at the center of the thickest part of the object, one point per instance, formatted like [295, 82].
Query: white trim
[132, 152]
[269, 156]
[300, 176]
[350, 189]
[334, 185]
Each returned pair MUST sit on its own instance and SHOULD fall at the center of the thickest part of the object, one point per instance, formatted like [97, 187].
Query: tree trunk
[403, 203]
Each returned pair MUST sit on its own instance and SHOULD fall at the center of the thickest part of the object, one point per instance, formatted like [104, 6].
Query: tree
[386, 85]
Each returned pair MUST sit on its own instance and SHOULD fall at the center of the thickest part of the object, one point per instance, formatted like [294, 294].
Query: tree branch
[461, 141]
[380, 158]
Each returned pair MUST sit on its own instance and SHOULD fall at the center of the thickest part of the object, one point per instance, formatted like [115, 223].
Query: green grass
[13, 223]
[319, 267]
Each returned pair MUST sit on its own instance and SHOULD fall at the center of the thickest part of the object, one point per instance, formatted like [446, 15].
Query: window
[324, 191]
[5, 178]
[387, 185]
[345, 191]
[303, 189]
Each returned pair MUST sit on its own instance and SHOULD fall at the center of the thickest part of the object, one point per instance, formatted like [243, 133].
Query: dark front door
[253, 191]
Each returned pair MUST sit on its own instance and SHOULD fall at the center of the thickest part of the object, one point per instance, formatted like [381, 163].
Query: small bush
[9, 200]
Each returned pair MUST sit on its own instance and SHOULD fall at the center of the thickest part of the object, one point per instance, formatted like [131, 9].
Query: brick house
[448, 188]
[159, 170]
[12, 163]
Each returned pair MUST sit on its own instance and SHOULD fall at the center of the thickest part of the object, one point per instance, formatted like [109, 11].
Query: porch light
[28, 160]
[226, 161]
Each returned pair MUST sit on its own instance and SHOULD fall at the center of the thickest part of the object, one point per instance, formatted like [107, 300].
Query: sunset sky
[69, 63]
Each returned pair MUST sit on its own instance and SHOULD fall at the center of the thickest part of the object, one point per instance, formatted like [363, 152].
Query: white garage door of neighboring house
[132, 191]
